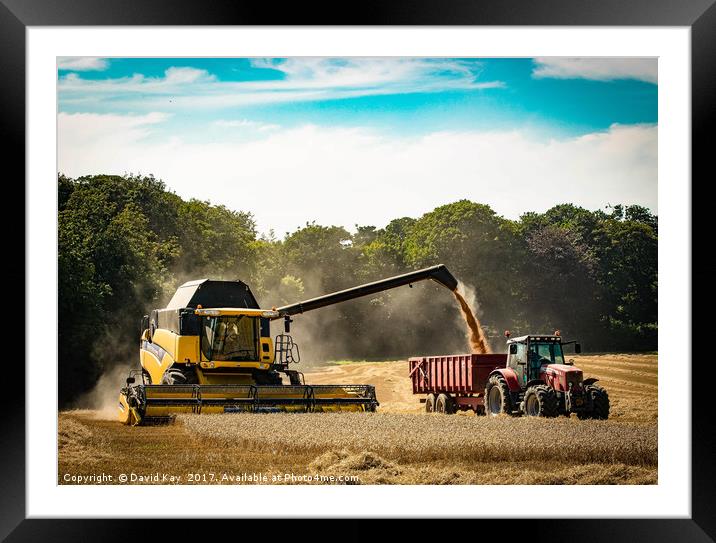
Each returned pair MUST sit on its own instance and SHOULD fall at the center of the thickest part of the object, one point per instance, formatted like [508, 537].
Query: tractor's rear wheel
[600, 403]
[430, 403]
[540, 401]
[444, 404]
[497, 396]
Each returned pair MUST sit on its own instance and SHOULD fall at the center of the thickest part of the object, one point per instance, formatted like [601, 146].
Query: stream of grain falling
[478, 342]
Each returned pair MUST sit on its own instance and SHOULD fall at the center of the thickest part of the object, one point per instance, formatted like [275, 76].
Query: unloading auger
[210, 351]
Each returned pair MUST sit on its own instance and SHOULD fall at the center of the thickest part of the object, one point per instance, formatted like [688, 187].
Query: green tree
[479, 247]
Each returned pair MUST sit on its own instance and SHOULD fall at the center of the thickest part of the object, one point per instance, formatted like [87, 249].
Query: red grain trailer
[455, 382]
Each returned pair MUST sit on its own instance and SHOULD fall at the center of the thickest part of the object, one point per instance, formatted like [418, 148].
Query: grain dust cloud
[476, 336]
[102, 400]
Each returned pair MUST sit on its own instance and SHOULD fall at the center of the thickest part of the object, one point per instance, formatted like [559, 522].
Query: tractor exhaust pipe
[439, 274]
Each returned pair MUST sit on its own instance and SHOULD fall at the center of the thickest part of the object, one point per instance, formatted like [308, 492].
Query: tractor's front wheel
[430, 403]
[600, 403]
[540, 401]
[497, 396]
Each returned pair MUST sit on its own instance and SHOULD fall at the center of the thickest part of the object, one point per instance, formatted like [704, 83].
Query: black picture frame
[699, 15]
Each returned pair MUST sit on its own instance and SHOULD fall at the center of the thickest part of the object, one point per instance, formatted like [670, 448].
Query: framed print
[427, 262]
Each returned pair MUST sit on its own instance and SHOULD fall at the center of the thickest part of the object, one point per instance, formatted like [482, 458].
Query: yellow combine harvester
[210, 351]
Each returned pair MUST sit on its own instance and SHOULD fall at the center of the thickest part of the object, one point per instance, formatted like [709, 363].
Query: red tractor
[537, 381]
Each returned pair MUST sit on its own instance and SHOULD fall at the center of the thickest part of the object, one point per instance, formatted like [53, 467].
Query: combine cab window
[230, 338]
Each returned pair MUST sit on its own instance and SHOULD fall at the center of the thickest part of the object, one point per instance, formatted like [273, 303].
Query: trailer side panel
[456, 374]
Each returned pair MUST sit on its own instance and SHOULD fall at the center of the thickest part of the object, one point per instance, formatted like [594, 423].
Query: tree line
[126, 242]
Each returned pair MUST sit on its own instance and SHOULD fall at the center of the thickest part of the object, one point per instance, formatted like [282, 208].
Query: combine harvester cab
[532, 379]
[211, 351]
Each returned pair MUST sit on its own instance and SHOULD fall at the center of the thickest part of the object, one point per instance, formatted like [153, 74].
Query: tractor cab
[526, 355]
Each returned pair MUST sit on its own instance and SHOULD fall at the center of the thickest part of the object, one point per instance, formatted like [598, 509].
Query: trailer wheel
[444, 405]
[430, 403]
[497, 396]
[540, 401]
[600, 403]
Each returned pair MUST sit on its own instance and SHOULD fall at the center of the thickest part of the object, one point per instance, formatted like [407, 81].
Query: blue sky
[488, 127]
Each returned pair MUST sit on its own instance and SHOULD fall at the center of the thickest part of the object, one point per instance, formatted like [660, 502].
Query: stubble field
[397, 445]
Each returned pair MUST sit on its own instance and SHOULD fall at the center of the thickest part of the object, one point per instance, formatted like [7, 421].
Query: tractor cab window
[518, 356]
[545, 353]
[230, 338]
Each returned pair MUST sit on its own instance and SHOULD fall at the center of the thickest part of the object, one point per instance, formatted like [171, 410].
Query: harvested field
[397, 445]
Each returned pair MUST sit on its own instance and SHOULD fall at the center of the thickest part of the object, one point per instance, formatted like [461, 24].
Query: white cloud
[321, 72]
[105, 136]
[245, 123]
[346, 176]
[82, 64]
[600, 69]
[303, 79]
[182, 75]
